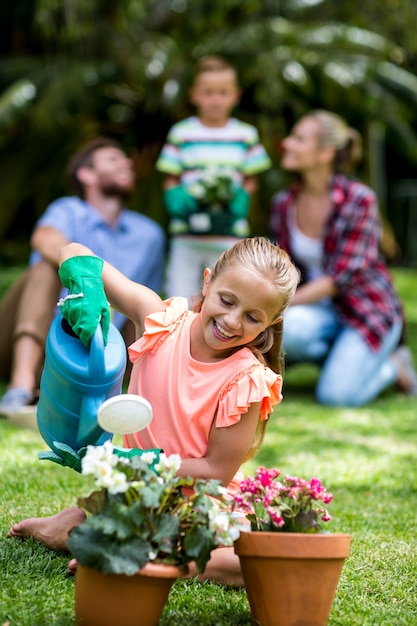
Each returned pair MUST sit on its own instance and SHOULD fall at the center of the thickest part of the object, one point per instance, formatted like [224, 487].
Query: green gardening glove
[240, 203]
[179, 202]
[86, 304]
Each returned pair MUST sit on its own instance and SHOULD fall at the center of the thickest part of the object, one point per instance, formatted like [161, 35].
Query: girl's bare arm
[132, 299]
[227, 449]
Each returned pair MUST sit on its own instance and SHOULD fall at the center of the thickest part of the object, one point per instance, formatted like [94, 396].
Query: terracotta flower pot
[291, 578]
[120, 600]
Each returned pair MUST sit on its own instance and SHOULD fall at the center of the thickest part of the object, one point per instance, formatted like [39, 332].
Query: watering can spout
[89, 432]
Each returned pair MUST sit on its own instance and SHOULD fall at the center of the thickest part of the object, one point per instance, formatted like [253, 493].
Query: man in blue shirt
[102, 177]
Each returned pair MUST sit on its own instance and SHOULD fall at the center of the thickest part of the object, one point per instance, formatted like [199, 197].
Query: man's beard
[113, 190]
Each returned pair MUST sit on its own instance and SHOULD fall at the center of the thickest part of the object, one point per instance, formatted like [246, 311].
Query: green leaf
[198, 544]
[66, 457]
[94, 549]
[138, 513]
[114, 519]
[151, 496]
[166, 526]
[50, 456]
[83, 542]
[94, 503]
[126, 558]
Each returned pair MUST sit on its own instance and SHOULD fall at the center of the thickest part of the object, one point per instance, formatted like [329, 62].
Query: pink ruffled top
[189, 396]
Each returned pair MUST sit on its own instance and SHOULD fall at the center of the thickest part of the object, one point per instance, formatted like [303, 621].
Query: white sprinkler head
[124, 414]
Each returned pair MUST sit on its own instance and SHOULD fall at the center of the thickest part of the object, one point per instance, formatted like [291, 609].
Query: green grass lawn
[367, 458]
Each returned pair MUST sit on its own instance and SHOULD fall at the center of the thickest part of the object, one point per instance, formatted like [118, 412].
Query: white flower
[220, 524]
[168, 465]
[148, 457]
[234, 532]
[197, 190]
[210, 179]
[118, 483]
[212, 172]
[99, 460]
[103, 473]
[218, 520]
[214, 183]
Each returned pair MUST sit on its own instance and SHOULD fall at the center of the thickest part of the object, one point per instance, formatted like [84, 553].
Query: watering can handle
[88, 427]
[96, 362]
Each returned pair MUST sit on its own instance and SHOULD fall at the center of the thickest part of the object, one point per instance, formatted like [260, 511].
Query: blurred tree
[70, 70]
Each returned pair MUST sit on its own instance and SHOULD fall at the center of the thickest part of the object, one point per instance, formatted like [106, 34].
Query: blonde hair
[271, 262]
[213, 64]
[335, 133]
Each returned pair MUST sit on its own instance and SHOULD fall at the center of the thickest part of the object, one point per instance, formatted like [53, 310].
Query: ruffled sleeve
[256, 384]
[158, 326]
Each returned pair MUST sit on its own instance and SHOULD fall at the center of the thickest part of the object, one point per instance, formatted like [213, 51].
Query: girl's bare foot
[72, 566]
[51, 531]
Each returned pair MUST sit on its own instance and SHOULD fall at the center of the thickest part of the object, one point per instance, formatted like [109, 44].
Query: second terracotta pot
[120, 600]
[291, 578]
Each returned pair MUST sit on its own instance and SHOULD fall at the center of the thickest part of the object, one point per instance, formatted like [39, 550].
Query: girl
[346, 315]
[212, 376]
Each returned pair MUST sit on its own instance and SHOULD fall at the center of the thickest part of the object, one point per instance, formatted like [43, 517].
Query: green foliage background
[71, 70]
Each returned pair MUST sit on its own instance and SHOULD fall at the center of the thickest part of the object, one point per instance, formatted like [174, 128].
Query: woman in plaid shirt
[346, 315]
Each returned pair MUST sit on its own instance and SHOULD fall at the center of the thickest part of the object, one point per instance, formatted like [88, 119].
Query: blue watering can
[75, 382]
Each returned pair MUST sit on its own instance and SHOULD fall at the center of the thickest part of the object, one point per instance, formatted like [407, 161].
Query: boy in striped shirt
[199, 150]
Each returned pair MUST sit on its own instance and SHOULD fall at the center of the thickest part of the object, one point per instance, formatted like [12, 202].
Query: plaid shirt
[366, 297]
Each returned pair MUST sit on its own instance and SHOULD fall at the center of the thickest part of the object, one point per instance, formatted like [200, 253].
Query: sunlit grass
[366, 457]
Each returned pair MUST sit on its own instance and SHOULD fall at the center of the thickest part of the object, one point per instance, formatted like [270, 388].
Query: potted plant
[214, 191]
[215, 187]
[145, 525]
[290, 564]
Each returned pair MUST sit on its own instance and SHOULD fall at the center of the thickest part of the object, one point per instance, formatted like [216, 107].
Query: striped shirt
[135, 245]
[191, 147]
[366, 298]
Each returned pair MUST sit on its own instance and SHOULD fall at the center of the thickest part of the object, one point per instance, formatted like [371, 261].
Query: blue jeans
[352, 374]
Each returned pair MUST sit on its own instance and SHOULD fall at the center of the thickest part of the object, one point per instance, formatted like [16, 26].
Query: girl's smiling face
[238, 305]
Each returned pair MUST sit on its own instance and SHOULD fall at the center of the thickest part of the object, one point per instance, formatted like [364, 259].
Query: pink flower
[294, 493]
[288, 505]
[249, 485]
[277, 519]
[266, 476]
